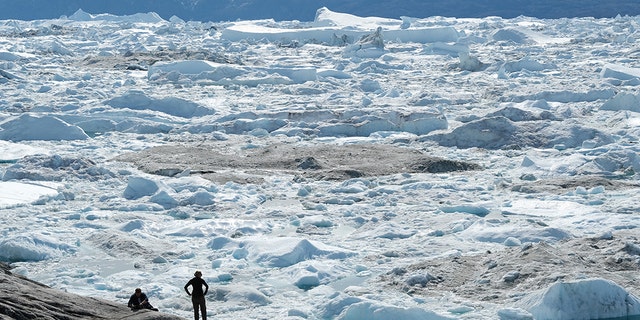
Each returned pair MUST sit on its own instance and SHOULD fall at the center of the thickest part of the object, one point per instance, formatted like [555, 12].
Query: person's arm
[130, 304]
[143, 299]
[186, 286]
[206, 286]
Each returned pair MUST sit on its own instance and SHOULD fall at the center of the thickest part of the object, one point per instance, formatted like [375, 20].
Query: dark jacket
[196, 283]
[137, 301]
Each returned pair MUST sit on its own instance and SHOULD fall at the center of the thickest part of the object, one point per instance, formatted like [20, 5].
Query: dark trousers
[199, 303]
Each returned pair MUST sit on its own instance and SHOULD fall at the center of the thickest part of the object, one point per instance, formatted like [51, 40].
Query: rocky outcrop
[21, 298]
[215, 161]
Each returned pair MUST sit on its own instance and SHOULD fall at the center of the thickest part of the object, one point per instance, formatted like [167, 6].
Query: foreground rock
[21, 298]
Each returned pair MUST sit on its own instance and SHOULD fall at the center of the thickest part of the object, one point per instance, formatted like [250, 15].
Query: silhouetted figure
[197, 295]
[139, 301]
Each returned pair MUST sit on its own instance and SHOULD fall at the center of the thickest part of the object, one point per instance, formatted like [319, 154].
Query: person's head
[198, 274]
[138, 291]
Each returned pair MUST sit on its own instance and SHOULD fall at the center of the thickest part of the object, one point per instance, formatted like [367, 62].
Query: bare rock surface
[222, 162]
[21, 298]
[559, 185]
[495, 276]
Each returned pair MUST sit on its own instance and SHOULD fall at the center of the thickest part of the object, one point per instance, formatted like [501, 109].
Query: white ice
[527, 99]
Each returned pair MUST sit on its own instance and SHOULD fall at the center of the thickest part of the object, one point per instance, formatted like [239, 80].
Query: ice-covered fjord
[340, 168]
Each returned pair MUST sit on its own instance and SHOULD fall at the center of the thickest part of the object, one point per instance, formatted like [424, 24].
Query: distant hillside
[304, 10]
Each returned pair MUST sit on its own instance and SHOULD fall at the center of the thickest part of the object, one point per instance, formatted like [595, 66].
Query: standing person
[139, 300]
[197, 295]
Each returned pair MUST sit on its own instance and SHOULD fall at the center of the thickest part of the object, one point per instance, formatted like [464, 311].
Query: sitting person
[139, 300]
